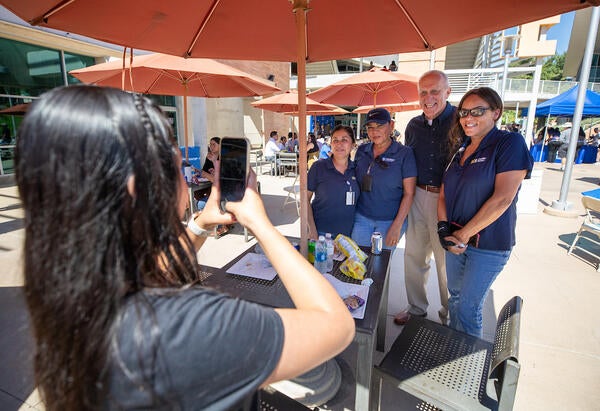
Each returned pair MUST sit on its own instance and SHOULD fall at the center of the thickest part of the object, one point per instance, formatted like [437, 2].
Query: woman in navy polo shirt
[387, 173]
[336, 190]
[477, 204]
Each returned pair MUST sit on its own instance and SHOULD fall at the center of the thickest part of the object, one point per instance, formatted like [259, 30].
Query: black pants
[553, 147]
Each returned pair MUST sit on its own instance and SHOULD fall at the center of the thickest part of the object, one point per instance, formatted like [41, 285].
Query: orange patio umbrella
[331, 111]
[16, 110]
[392, 108]
[288, 103]
[284, 30]
[175, 76]
[374, 87]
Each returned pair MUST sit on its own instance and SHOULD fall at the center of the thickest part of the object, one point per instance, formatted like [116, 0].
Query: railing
[463, 80]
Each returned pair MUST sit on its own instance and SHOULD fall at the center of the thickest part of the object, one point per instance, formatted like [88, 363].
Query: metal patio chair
[591, 224]
[293, 195]
[287, 162]
[451, 370]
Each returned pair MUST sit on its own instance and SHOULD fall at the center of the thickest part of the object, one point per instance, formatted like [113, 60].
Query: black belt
[426, 187]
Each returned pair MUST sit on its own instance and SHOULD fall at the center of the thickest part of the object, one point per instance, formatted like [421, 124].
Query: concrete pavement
[560, 331]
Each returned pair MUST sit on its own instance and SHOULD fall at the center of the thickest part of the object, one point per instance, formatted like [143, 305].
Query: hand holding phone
[234, 167]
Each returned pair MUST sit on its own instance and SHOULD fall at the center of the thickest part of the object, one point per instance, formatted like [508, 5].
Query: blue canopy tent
[564, 105]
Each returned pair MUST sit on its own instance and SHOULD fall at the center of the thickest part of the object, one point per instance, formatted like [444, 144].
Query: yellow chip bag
[353, 268]
[349, 248]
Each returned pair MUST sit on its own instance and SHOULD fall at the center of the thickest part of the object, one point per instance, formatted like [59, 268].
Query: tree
[551, 70]
[553, 67]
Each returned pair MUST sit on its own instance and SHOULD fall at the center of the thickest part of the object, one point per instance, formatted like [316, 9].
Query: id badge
[350, 197]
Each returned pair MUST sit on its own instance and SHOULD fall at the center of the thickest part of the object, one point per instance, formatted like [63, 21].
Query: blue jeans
[470, 276]
[364, 227]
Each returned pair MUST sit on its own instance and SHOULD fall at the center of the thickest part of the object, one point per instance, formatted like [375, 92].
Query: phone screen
[234, 168]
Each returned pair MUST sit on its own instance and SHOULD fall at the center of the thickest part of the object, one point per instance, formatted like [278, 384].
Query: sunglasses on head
[474, 112]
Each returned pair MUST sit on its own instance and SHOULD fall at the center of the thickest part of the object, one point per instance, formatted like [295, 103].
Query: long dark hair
[313, 139]
[457, 135]
[89, 243]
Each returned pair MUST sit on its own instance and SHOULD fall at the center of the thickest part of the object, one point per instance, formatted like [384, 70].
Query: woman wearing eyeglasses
[333, 182]
[387, 173]
[477, 204]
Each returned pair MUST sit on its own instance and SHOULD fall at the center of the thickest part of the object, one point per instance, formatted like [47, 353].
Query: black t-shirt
[195, 349]
[208, 165]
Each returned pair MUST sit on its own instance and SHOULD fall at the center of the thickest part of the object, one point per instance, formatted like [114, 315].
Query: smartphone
[234, 157]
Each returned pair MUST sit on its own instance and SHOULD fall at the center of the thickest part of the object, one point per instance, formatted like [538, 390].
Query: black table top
[273, 293]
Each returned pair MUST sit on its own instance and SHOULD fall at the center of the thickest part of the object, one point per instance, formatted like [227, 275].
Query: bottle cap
[321, 238]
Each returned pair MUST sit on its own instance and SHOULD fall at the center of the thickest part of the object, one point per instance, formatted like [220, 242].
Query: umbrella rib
[202, 25]
[44, 17]
[426, 43]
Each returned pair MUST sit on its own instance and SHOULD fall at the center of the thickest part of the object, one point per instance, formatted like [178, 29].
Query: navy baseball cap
[378, 115]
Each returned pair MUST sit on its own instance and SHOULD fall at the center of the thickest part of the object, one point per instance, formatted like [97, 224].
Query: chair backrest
[591, 203]
[504, 366]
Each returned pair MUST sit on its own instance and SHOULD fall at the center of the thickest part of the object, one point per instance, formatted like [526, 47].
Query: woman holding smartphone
[477, 204]
[119, 317]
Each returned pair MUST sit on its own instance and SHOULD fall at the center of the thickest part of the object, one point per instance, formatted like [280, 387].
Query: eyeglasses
[475, 112]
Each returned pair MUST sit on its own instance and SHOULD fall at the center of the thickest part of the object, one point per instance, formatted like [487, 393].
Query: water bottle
[329, 242]
[321, 255]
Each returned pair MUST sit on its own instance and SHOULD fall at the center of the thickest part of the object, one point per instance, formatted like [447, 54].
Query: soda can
[376, 243]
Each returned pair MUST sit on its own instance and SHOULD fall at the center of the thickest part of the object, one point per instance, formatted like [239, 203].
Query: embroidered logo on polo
[478, 160]
[388, 160]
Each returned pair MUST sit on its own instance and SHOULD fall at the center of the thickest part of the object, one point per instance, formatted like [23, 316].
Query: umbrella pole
[300, 9]
[185, 124]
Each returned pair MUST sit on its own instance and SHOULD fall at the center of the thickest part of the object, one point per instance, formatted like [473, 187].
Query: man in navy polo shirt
[386, 172]
[427, 134]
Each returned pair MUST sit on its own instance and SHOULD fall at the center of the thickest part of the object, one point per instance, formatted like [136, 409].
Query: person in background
[594, 140]
[427, 135]
[565, 136]
[386, 172]
[333, 182]
[282, 143]
[208, 169]
[593, 137]
[540, 136]
[120, 319]
[477, 204]
[272, 147]
[325, 148]
[312, 149]
[271, 150]
[294, 145]
[554, 143]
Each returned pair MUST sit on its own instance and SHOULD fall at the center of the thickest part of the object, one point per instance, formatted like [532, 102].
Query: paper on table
[346, 289]
[255, 266]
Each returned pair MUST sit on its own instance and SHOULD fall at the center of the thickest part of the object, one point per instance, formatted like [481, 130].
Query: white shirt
[271, 148]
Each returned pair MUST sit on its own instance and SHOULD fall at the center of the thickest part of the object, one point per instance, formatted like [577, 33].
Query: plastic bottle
[329, 242]
[321, 255]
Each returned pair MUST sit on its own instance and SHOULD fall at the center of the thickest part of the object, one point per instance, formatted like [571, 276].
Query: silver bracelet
[196, 229]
